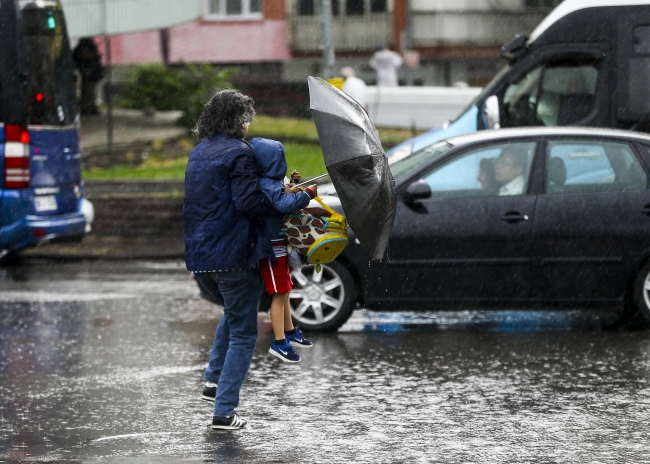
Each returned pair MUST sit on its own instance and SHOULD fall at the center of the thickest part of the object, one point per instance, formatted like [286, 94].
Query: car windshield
[407, 166]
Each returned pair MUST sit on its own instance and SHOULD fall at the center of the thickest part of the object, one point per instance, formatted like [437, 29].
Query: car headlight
[400, 153]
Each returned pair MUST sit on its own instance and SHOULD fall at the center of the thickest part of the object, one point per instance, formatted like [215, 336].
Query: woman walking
[221, 228]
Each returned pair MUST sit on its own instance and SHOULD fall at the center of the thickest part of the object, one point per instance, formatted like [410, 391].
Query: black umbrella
[356, 163]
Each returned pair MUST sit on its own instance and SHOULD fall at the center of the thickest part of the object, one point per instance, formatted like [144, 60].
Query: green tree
[186, 89]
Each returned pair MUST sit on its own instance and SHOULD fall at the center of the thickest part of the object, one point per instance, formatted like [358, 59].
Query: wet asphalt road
[102, 362]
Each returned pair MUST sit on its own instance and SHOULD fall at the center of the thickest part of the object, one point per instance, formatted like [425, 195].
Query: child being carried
[272, 166]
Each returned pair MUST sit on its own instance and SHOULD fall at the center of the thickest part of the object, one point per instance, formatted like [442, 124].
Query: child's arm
[285, 202]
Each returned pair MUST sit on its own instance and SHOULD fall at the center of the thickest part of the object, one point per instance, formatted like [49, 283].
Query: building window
[542, 3]
[378, 6]
[336, 7]
[354, 7]
[231, 9]
[305, 7]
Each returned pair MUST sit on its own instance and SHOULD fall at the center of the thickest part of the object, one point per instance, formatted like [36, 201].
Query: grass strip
[307, 158]
[298, 129]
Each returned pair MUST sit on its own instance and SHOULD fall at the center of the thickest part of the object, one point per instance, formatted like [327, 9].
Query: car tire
[322, 302]
[641, 297]
[13, 258]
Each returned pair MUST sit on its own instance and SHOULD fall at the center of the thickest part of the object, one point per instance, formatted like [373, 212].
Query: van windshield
[487, 90]
[51, 96]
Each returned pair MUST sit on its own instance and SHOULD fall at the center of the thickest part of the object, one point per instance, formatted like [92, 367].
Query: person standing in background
[87, 60]
[386, 62]
[355, 87]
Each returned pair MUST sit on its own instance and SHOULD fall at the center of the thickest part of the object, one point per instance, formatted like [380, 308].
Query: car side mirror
[491, 112]
[418, 190]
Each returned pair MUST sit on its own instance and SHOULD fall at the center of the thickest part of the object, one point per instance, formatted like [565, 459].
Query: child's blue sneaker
[296, 338]
[284, 351]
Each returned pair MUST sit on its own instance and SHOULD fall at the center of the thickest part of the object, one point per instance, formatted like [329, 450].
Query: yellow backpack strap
[325, 207]
[336, 220]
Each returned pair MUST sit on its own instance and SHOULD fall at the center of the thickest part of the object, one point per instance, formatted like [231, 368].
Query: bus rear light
[16, 133]
[17, 171]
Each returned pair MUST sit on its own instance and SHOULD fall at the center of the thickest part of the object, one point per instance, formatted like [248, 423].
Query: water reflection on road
[103, 361]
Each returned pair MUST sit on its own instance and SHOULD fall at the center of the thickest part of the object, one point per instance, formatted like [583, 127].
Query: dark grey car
[570, 229]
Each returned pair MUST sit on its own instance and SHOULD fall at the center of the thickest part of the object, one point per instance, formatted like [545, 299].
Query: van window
[51, 96]
[520, 100]
[639, 72]
[556, 94]
[642, 40]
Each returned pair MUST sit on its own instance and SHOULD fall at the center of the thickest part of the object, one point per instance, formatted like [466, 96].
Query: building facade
[250, 34]
[280, 40]
[457, 40]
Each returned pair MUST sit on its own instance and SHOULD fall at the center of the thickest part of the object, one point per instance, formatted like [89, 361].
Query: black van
[586, 64]
[41, 192]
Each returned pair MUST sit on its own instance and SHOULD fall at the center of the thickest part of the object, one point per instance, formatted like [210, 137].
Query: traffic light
[51, 22]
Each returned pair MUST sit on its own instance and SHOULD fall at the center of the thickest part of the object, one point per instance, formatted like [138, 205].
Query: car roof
[569, 6]
[527, 132]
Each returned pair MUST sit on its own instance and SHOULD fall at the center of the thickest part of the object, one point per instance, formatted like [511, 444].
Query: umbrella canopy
[356, 163]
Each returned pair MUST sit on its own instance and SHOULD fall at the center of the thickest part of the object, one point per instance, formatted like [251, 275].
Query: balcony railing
[430, 28]
[365, 32]
[485, 28]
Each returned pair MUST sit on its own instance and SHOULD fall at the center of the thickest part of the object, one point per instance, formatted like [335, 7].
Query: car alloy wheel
[641, 296]
[646, 290]
[322, 300]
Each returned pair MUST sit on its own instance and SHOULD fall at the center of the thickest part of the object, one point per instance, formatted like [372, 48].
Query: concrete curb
[98, 247]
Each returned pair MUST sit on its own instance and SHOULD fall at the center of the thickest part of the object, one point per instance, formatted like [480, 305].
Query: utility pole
[409, 41]
[108, 87]
[328, 38]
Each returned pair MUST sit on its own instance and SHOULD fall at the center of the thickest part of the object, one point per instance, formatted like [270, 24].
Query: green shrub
[186, 89]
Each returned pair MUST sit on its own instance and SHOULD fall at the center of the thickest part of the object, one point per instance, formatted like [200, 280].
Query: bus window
[51, 96]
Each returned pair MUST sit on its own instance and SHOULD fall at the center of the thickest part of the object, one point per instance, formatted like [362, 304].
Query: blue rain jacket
[272, 166]
[223, 207]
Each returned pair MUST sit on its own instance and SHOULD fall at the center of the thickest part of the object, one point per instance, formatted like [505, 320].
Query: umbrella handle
[311, 180]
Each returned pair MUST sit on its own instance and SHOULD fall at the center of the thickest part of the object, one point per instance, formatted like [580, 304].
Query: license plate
[46, 203]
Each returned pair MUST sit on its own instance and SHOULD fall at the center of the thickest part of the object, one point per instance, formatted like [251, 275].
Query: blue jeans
[234, 342]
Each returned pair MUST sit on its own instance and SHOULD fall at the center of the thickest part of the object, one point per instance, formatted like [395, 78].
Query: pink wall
[139, 47]
[206, 41]
[224, 42]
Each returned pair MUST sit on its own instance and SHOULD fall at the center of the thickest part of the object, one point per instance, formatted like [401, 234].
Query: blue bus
[41, 191]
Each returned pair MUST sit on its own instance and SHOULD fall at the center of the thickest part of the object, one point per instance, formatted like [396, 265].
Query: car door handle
[514, 216]
[646, 210]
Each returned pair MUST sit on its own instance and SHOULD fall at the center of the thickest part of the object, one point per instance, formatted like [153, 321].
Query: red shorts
[277, 278]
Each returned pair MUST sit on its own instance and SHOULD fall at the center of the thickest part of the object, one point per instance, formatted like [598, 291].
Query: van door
[633, 97]
[51, 112]
[558, 87]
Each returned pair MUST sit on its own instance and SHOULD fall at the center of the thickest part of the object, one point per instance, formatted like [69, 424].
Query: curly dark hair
[225, 113]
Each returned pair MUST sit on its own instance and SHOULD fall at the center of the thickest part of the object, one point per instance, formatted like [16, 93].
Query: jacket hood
[269, 155]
